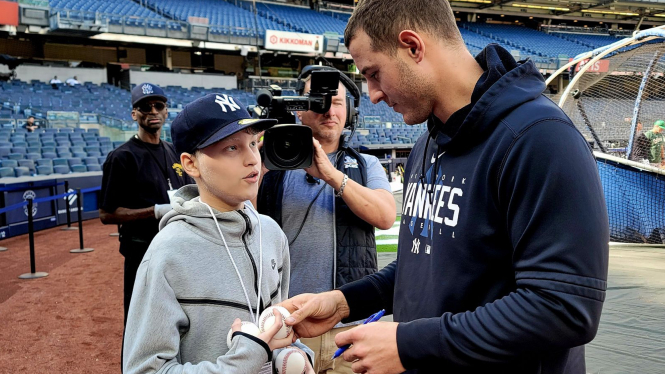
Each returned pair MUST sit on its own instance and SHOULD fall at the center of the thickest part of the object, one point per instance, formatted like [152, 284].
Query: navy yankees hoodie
[503, 244]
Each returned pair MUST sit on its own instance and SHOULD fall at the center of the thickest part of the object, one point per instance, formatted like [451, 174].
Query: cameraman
[328, 212]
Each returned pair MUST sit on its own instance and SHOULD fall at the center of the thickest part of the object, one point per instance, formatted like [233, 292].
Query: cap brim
[150, 97]
[234, 127]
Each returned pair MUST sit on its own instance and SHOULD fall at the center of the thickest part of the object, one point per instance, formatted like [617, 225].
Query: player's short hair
[383, 20]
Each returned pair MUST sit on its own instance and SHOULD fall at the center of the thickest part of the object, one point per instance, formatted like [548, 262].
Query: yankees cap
[146, 91]
[210, 119]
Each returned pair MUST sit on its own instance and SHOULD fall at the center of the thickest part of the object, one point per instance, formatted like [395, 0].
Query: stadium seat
[44, 170]
[5, 151]
[90, 161]
[78, 169]
[22, 171]
[79, 154]
[15, 156]
[9, 163]
[34, 149]
[49, 155]
[48, 149]
[101, 160]
[61, 169]
[94, 167]
[44, 161]
[74, 161]
[21, 150]
[60, 161]
[34, 156]
[6, 172]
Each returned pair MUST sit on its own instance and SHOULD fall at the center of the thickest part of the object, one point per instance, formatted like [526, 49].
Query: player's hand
[374, 346]
[314, 314]
[321, 167]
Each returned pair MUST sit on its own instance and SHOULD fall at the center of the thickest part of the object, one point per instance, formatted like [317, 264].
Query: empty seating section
[40, 97]
[528, 41]
[224, 18]
[112, 10]
[45, 159]
[301, 19]
[589, 41]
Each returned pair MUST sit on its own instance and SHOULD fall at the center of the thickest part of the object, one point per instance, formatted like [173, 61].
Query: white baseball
[290, 361]
[267, 319]
[247, 328]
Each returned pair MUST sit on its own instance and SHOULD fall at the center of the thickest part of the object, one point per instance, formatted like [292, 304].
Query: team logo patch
[147, 89]
[350, 163]
[178, 169]
[226, 101]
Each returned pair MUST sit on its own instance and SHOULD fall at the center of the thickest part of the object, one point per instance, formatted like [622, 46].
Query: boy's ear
[190, 164]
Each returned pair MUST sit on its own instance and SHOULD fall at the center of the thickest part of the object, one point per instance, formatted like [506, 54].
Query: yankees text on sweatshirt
[503, 246]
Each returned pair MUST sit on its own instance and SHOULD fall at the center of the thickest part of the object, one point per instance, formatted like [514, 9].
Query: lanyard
[163, 168]
[255, 317]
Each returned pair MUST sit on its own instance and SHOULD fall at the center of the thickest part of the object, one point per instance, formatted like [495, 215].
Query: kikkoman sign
[293, 42]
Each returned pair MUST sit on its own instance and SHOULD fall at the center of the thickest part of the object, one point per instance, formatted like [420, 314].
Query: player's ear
[190, 164]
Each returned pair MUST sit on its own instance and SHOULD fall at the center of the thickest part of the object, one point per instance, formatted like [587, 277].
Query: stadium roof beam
[581, 7]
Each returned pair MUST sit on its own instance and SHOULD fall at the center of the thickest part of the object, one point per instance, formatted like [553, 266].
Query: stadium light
[541, 7]
[472, 1]
[609, 12]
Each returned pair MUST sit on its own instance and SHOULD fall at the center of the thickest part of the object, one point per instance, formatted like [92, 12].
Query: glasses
[147, 107]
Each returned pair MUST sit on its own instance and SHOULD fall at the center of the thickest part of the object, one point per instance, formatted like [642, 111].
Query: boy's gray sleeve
[154, 324]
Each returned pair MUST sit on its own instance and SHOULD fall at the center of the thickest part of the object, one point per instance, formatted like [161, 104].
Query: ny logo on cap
[147, 89]
[225, 100]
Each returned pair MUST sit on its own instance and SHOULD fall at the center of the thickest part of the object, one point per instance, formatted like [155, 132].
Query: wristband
[341, 188]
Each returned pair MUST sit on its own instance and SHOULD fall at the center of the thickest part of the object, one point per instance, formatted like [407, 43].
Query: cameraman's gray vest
[356, 245]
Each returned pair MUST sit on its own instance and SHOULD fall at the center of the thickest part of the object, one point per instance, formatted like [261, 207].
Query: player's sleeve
[152, 334]
[557, 222]
[117, 176]
[371, 293]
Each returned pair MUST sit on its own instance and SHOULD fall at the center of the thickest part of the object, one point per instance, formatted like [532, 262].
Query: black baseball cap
[210, 119]
[147, 91]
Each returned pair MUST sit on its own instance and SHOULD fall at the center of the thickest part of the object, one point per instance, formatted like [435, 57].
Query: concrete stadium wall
[46, 73]
[184, 80]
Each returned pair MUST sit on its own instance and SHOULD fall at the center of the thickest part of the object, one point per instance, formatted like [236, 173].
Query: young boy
[215, 261]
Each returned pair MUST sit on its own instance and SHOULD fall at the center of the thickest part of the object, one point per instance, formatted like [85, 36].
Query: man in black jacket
[503, 243]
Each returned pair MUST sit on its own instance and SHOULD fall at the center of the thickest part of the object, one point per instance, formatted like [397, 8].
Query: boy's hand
[268, 336]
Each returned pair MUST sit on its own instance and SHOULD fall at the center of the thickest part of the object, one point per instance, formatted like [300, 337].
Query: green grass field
[386, 240]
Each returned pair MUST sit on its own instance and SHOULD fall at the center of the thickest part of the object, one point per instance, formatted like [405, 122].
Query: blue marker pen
[373, 318]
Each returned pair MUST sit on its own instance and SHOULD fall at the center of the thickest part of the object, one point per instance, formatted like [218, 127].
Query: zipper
[231, 304]
[248, 231]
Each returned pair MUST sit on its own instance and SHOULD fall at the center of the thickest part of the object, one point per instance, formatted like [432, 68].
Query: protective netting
[635, 200]
[617, 104]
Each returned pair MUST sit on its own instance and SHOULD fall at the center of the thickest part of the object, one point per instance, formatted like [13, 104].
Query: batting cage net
[616, 98]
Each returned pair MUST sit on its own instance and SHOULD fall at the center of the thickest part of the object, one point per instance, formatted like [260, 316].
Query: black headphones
[352, 102]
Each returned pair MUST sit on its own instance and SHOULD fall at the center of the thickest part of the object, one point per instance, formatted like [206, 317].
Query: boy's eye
[231, 148]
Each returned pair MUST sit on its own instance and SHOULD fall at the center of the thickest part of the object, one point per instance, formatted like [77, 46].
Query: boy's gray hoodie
[187, 293]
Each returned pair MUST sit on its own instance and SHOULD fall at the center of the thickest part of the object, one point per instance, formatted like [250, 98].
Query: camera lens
[288, 147]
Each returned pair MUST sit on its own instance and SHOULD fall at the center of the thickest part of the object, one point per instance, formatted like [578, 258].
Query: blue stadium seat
[49, 155]
[61, 169]
[21, 150]
[5, 151]
[78, 168]
[90, 161]
[74, 161]
[6, 172]
[15, 156]
[44, 170]
[22, 171]
[61, 161]
[9, 163]
[101, 160]
[94, 167]
[44, 161]
[79, 154]
[33, 156]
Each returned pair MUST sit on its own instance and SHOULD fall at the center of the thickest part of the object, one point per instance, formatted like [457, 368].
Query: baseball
[290, 361]
[247, 328]
[267, 319]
